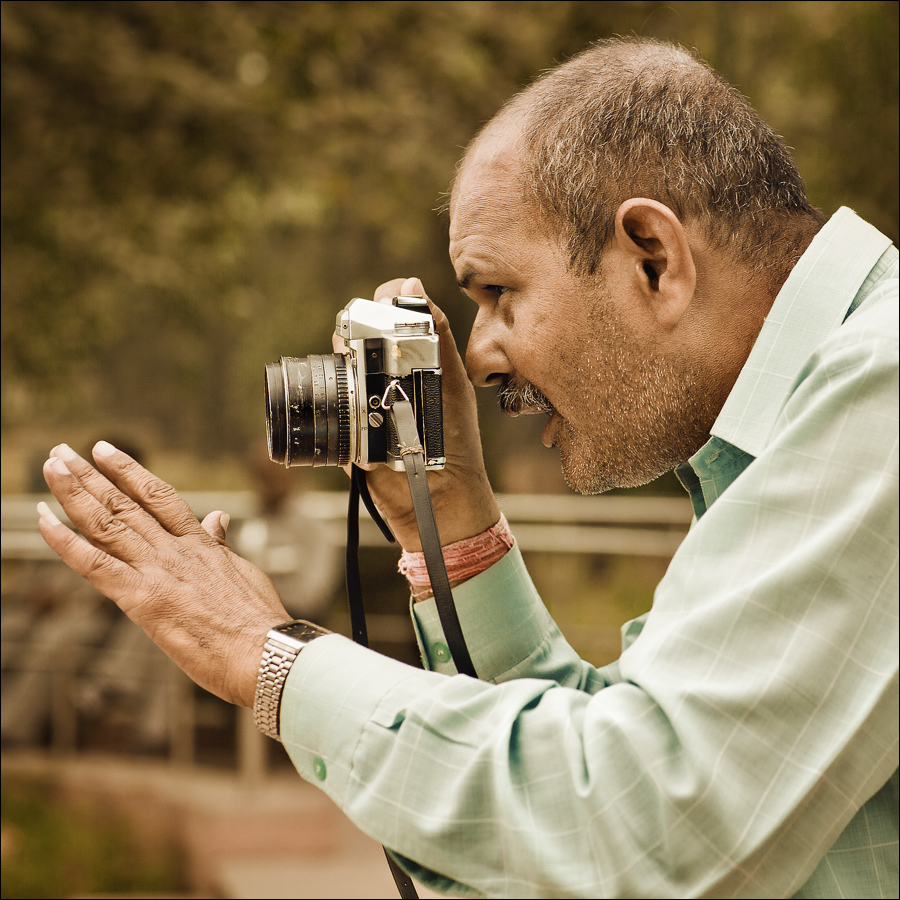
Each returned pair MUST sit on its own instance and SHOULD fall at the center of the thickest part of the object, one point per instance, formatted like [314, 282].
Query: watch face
[301, 631]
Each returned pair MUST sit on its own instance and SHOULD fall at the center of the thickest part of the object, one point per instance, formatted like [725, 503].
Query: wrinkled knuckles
[100, 568]
[106, 529]
[121, 507]
[156, 492]
[183, 563]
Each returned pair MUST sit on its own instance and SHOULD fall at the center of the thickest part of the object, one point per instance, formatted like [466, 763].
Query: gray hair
[631, 117]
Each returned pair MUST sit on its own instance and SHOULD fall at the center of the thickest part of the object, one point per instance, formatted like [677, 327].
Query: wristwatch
[282, 647]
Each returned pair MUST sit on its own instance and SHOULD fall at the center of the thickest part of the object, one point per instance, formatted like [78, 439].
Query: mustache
[523, 399]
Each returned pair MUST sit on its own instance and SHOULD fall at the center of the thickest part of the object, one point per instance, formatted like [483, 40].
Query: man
[649, 273]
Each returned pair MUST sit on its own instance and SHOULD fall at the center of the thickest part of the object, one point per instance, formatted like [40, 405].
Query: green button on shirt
[745, 743]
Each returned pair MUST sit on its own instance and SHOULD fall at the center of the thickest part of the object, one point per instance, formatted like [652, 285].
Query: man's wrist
[281, 649]
[464, 559]
[460, 514]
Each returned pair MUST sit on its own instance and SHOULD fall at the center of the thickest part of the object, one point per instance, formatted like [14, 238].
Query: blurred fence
[77, 674]
[636, 526]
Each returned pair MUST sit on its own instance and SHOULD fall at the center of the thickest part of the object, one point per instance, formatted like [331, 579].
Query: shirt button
[320, 770]
[441, 652]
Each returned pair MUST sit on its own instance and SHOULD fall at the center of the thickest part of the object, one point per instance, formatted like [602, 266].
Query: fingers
[384, 294]
[452, 365]
[215, 525]
[451, 361]
[109, 575]
[174, 577]
[390, 289]
[149, 493]
[65, 464]
[411, 287]
[108, 519]
[124, 511]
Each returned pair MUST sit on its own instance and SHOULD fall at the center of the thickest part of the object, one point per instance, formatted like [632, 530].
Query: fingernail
[104, 448]
[224, 521]
[64, 451]
[58, 466]
[47, 514]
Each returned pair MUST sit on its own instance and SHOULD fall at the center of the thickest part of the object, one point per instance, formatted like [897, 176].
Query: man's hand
[207, 608]
[463, 501]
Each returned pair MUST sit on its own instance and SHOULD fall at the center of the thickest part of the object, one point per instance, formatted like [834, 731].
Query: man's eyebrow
[465, 279]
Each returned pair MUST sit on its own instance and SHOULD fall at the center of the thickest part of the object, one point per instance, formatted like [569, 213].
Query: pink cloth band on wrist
[464, 559]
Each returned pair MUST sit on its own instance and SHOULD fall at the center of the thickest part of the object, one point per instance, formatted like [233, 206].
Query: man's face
[616, 405]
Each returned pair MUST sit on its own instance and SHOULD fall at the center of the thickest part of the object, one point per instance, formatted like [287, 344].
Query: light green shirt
[745, 744]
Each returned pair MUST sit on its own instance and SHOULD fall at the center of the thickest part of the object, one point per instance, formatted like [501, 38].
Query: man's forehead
[489, 205]
[488, 209]
[492, 162]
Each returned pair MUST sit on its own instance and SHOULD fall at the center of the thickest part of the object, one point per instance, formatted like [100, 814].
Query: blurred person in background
[649, 275]
[292, 548]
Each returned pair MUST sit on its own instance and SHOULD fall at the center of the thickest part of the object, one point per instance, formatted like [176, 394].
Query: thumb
[412, 287]
[216, 524]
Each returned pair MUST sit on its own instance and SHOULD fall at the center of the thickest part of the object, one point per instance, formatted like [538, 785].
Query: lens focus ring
[308, 411]
[343, 406]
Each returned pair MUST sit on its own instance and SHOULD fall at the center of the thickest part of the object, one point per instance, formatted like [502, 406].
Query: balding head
[639, 118]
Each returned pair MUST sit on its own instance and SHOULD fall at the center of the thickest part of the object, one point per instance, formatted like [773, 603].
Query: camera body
[335, 409]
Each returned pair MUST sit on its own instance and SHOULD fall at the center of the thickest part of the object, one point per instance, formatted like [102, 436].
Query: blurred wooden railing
[551, 523]
[63, 653]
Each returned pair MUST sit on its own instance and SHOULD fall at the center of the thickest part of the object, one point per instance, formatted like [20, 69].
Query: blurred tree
[190, 189]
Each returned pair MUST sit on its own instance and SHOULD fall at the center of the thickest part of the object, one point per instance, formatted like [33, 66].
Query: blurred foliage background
[192, 189]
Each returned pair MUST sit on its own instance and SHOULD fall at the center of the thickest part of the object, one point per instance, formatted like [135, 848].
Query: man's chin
[583, 472]
[587, 469]
[585, 482]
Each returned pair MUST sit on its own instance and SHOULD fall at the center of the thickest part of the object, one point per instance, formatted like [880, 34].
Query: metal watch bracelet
[282, 647]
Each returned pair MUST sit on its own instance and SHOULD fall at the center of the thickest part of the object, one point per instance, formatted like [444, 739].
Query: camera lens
[308, 411]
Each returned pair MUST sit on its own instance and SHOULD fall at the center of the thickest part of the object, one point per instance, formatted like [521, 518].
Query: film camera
[334, 409]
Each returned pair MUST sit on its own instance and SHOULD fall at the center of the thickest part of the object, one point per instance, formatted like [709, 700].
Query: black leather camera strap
[359, 489]
[358, 629]
[413, 455]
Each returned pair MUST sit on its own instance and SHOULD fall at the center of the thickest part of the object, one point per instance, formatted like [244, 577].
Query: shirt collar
[812, 303]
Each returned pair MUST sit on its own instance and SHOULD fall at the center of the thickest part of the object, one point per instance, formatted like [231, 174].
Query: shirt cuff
[503, 619]
[333, 693]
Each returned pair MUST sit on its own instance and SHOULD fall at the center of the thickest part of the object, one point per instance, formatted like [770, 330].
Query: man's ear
[661, 263]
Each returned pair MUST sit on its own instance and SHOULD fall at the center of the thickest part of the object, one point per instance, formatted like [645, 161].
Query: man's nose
[486, 361]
